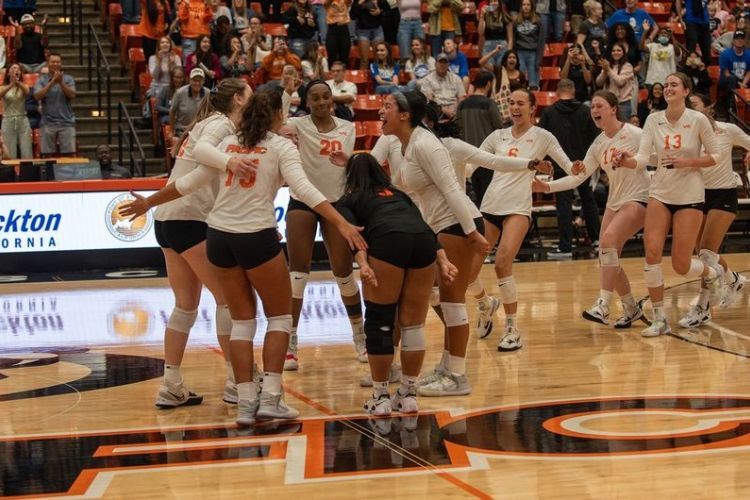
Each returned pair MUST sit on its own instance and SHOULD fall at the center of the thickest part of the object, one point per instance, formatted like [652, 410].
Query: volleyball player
[626, 205]
[506, 206]
[243, 245]
[180, 230]
[679, 136]
[719, 211]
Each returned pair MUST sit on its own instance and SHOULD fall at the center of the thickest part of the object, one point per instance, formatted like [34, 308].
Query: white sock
[230, 371]
[408, 381]
[703, 298]
[379, 388]
[658, 308]
[606, 297]
[456, 365]
[629, 301]
[172, 374]
[247, 391]
[510, 320]
[272, 383]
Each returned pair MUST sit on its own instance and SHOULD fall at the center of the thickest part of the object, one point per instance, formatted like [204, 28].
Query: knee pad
[653, 276]
[412, 338]
[508, 291]
[280, 323]
[223, 321]
[379, 322]
[299, 282]
[454, 314]
[708, 257]
[475, 288]
[347, 285]
[243, 329]
[696, 268]
[608, 257]
[435, 296]
[181, 320]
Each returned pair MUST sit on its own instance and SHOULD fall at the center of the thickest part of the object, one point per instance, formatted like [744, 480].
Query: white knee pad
[181, 320]
[508, 291]
[653, 276]
[435, 296]
[299, 282]
[412, 338]
[223, 321]
[243, 329]
[475, 288]
[696, 268]
[708, 257]
[608, 257]
[280, 323]
[454, 314]
[347, 285]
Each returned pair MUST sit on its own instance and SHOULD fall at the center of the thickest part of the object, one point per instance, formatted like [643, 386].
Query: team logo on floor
[123, 228]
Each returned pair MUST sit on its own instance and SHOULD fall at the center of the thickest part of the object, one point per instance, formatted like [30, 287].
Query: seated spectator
[696, 70]
[205, 59]
[733, 66]
[444, 23]
[256, 44]
[344, 92]
[161, 64]
[443, 86]
[29, 44]
[236, 64]
[314, 63]
[55, 92]
[662, 56]
[110, 170]
[185, 102]
[164, 99]
[384, 70]
[458, 63]
[273, 64]
[617, 76]
[576, 68]
[419, 64]
[301, 27]
[654, 102]
[725, 41]
[195, 18]
[221, 32]
[369, 17]
[16, 127]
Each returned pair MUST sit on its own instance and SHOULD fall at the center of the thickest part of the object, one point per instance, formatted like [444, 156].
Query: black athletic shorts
[179, 235]
[298, 205]
[676, 208]
[497, 220]
[247, 250]
[404, 250]
[721, 199]
[457, 230]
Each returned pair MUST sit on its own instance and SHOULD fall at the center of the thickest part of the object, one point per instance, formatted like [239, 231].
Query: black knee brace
[379, 322]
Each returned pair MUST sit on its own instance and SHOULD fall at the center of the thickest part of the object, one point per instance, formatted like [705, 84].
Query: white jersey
[388, 148]
[244, 206]
[208, 132]
[315, 147]
[684, 139]
[510, 192]
[428, 173]
[625, 184]
[721, 175]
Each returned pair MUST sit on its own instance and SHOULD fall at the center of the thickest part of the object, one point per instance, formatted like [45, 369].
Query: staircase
[91, 130]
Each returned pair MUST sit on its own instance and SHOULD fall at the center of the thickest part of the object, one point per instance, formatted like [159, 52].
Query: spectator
[577, 12]
[16, 127]
[314, 63]
[110, 170]
[298, 104]
[623, 33]
[369, 17]
[131, 11]
[576, 68]
[741, 10]
[384, 70]
[419, 64]
[726, 40]
[221, 32]
[161, 64]
[654, 102]
[507, 79]
[634, 17]
[443, 86]
[16, 9]
[662, 57]
[256, 43]
[235, 65]
[2, 52]
[391, 18]
[185, 103]
[206, 60]
[528, 41]
[717, 19]
[344, 92]
[570, 122]
[268, 16]
[696, 70]
[218, 10]
[29, 44]
[552, 15]
[697, 27]
[592, 29]
[301, 27]
[241, 15]
[194, 18]
[734, 65]
[273, 64]
[319, 13]
[444, 22]
[409, 26]
[478, 116]
[458, 63]
[338, 39]
[153, 25]
[617, 76]
[55, 91]
[164, 99]
[495, 33]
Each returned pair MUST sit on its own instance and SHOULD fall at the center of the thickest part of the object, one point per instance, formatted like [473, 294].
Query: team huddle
[401, 212]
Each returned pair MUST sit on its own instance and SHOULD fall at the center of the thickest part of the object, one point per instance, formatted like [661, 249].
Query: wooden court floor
[583, 411]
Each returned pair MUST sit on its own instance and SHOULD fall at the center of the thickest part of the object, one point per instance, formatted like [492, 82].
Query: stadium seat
[115, 21]
[549, 76]
[137, 62]
[373, 130]
[367, 107]
[274, 29]
[544, 99]
[553, 52]
[144, 83]
[129, 38]
[360, 78]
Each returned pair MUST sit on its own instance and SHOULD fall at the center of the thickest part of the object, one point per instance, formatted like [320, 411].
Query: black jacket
[570, 122]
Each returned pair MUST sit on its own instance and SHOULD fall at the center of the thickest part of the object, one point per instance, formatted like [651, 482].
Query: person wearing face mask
[662, 57]
[29, 44]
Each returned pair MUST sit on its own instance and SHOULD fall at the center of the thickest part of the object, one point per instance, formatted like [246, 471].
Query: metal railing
[99, 65]
[126, 132]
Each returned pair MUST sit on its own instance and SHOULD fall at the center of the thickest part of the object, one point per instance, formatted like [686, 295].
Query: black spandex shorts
[721, 199]
[298, 205]
[456, 229]
[404, 250]
[676, 208]
[247, 250]
[179, 235]
[497, 220]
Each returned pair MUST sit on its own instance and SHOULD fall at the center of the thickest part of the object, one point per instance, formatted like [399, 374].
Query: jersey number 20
[327, 147]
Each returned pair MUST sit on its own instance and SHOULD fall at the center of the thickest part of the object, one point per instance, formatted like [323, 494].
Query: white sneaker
[405, 403]
[291, 362]
[629, 317]
[172, 396]
[484, 322]
[433, 376]
[273, 406]
[447, 385]
[380, 406]
[658, 327]
[246, 412]
[598, 313]
[695, 317]
[230, 393]
[730, 292]
[393, 377]
[715, 285]
[360, 346]
[511, 340]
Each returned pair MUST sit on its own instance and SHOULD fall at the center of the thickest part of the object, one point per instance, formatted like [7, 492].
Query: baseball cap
[739, 34]
[197, 73]
[442, 56]
[27, 18]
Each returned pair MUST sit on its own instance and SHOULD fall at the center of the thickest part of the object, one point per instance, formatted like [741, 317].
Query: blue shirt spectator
[735, 63]
[633, 16]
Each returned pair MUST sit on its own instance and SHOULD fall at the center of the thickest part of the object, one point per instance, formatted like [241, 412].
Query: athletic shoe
[695, 317]
[658, 327]
[273, 406]
[405, 403]
[230, 393]
[447, 385]
[558, 254]
[394, 376]
[379, 406]
[433, 376]
[360, 346]
[511, 340]
[731, 291]
[598, 313]
[715, 284]
[484, 322]
[247, 411]
[291, 362]
[172, 396]
[627, 319]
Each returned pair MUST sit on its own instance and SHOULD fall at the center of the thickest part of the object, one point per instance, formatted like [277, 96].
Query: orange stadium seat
[115, 21]
[367, 107]
[137, 61]
[549, 76]
[359, 77]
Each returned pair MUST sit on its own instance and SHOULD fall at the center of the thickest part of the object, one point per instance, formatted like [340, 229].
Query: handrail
[127, 131]
[80, 32]
[103, 76]
[737, 118]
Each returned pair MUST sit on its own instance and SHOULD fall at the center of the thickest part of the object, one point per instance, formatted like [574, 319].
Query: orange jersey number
[672, 141]
[327, 147]
[244, 183]
[513, 152]
[608, 154]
